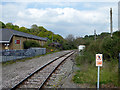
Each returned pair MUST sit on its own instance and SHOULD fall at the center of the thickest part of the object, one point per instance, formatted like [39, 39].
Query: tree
[24, 29]
[70, 38]
[2, 25]
[42, 29]
[34, 29]
[79, 41]
[9, 26]
[16, 27]
[70, 42]
[38, 31]
[34, 26]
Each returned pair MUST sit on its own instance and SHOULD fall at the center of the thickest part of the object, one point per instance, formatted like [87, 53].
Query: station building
[13, 39]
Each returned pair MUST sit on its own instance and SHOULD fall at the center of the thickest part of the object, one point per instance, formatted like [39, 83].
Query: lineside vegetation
[110, 48]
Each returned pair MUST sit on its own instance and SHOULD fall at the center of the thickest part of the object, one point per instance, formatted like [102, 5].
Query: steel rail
[17, 85]
[54, 71]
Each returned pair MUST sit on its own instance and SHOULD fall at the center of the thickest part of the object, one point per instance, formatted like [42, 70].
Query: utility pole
[95, 34]
[119, 16]
[111, 28]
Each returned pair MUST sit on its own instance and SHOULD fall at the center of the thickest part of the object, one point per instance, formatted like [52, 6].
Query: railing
[8, 55]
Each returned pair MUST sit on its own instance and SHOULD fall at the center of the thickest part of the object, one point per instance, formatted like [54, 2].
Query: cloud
[66, 15]
[60, 0]
[10, 10]
[63, 21]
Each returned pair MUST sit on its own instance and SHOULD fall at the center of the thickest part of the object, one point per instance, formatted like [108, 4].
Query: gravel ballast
[14, 73]
[62, 78]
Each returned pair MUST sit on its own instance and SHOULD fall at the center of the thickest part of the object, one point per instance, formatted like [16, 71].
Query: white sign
[99, 60]
[81, 47]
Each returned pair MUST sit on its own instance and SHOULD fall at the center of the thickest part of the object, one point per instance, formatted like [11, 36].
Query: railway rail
[38, 78]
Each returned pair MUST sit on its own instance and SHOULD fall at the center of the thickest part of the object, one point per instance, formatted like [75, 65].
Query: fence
[8, 55]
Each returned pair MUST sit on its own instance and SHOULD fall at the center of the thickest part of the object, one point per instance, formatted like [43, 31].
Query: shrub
[28, 44]
[109, 47]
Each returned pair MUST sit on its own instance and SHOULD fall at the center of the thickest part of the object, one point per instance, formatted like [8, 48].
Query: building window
[17, 41]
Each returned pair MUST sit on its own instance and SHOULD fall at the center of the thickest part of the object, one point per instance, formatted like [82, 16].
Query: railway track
[38, 78]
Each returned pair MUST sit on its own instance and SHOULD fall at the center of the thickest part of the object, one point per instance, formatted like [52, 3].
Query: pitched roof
[7, 34]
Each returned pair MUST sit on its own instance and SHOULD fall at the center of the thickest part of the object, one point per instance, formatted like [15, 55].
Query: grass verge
[88, 74]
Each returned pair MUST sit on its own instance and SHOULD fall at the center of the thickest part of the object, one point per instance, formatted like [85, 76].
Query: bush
[28, 44]
[67, 46]
[109, 47]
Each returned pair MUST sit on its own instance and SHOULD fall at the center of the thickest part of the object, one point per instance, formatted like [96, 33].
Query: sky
[79, 18]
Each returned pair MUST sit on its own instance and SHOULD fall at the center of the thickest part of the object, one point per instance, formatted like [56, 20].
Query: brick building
[12, 39]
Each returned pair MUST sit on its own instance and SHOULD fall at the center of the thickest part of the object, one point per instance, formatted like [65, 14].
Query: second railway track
[38, 78]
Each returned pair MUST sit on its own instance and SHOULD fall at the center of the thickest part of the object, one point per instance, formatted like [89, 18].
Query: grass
[85, 76]
[88, 74]
[23, 60]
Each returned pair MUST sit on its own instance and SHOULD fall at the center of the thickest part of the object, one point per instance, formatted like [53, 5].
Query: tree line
[64, 43]
[103, 44]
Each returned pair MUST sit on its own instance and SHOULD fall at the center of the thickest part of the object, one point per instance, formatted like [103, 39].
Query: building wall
[11, 44]
[22, 40]
[20, 45]
[14, 46]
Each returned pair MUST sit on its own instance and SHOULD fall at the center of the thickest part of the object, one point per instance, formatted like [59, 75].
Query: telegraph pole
[119, 16]
[111, 28]
[95, 34]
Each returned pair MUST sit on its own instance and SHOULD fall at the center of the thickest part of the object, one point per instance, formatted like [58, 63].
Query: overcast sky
[77, 18]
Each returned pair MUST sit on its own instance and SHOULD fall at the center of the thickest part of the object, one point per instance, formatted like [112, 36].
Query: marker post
[98, 63]
[98, 76]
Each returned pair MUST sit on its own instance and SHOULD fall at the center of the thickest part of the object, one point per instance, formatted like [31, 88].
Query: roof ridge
[23, 34]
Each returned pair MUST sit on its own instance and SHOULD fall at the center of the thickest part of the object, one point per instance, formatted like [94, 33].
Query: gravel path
[13, 73]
